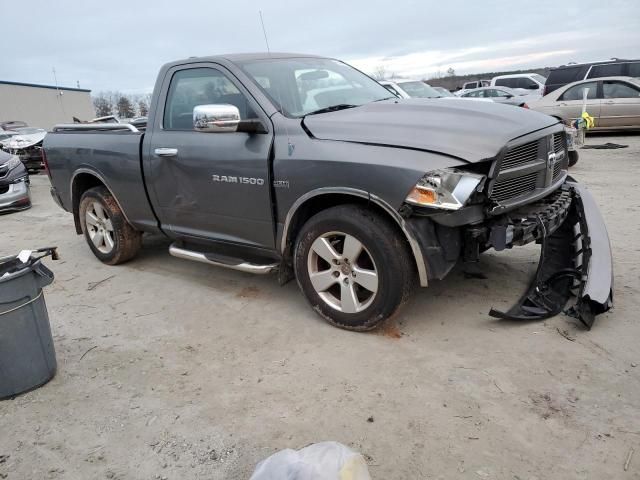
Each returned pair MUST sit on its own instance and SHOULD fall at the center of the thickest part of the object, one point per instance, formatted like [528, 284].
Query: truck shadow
[457, 299]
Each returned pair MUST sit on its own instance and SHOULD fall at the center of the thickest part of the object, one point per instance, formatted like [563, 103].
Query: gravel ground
[172, 369]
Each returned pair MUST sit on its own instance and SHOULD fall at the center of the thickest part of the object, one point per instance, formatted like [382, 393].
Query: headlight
[14, 162]
[447, 189]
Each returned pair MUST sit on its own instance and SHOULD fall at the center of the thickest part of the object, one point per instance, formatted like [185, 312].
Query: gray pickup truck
[306, 166]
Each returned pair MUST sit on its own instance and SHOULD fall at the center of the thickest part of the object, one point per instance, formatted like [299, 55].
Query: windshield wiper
[333, 108]
[386, 98]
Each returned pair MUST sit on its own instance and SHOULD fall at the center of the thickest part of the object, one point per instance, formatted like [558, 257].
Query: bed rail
[73, 127]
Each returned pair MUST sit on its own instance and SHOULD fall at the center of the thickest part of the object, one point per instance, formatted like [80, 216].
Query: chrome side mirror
[218, 118]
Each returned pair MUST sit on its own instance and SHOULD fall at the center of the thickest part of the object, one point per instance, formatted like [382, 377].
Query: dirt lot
[172, 369]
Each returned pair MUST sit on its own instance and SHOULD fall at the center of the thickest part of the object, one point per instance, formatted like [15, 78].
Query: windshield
[419, 90]
[299, 86]
[444, 92]
[539, 78]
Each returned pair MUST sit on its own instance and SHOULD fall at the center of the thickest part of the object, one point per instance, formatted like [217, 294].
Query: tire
[573, 157]
[111, 238]
[343, 291]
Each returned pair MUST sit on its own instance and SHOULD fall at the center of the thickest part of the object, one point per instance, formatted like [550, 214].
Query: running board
[228, 262]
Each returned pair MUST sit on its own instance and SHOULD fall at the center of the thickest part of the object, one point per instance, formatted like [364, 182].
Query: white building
[44, 105]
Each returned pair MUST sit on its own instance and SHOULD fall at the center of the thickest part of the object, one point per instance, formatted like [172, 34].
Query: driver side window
[200, 86]
[576, 92]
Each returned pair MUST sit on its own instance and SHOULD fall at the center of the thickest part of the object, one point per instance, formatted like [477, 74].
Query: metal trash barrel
[27, 355]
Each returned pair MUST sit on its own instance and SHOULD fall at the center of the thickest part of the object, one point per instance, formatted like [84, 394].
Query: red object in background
[45, 163]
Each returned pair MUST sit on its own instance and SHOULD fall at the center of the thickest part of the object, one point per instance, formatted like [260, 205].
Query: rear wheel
[353, 267]
[111, 238]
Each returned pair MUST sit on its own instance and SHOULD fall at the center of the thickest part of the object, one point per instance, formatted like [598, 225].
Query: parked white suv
[531, 82]
[471, 85]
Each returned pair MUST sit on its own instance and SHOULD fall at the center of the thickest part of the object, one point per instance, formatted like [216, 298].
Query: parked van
[532, 82]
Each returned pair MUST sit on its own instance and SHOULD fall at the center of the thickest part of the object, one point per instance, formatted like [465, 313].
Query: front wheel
[573, 157]
[111, 238]
[353, 267]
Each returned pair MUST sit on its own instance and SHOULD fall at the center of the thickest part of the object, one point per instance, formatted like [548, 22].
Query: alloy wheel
[342, 272]
[100, 228]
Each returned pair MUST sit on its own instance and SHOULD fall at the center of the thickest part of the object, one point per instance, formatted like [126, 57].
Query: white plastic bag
[319, 461]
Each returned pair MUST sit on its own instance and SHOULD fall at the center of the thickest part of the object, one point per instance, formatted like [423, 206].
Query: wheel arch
[82, 180]
[322, 198]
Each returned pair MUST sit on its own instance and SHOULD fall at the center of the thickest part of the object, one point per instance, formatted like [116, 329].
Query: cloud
[526, 52]
[122, 44]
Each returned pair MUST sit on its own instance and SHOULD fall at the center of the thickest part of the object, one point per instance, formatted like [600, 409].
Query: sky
[120, 45]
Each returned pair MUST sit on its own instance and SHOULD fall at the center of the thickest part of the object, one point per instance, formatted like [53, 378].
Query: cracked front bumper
[575, 259]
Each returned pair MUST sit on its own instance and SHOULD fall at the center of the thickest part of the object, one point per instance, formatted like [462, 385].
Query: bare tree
[451, 72]
[112, 102]
[143, 107]
[125, 108]
[102, 105]
[380, 72]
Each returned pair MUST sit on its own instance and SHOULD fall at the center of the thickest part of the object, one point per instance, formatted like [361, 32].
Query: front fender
[410, 236]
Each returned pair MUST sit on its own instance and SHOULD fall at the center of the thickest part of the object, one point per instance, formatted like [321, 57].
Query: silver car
[418, 89]
[406, 88]
[613, 102]
[443, 91]
[14, 184]
[506, 95]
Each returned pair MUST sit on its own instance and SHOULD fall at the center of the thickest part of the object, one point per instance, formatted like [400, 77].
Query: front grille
[557, 171]
[558, 142]
[505, 189]
[529, 169]
[521, 155]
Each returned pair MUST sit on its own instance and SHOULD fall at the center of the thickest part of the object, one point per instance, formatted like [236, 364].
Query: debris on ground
[566, 335]
[628, 461]
[322, 461]
[85, 353]
[93, 285]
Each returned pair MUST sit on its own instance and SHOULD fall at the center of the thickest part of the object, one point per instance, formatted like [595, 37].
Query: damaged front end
[27, 145]
[575, 259]
[14, 184]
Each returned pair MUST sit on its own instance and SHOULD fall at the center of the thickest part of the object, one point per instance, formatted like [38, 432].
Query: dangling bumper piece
[575, 258]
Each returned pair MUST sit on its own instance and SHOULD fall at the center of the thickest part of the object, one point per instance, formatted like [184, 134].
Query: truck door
[209, 185]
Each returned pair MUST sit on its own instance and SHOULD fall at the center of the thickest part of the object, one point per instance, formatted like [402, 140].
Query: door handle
[166, 152]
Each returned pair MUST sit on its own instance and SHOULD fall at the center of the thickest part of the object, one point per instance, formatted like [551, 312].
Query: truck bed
[111, 152]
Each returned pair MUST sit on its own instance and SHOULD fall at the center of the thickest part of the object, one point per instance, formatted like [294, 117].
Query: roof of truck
[243, 57]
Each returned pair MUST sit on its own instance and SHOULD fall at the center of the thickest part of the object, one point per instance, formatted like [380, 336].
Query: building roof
[35, 85]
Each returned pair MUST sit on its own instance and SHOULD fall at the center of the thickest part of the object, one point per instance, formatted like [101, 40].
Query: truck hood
[470, 131]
